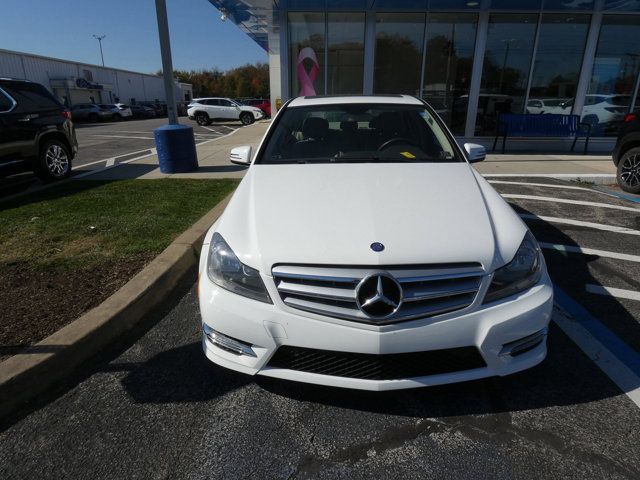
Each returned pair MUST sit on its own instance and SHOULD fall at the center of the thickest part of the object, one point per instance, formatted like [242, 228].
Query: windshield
[353, 133]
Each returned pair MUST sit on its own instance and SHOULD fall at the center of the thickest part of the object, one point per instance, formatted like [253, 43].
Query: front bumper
[266, 327]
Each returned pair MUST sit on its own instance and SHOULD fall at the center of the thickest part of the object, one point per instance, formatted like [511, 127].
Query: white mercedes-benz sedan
[363, 250]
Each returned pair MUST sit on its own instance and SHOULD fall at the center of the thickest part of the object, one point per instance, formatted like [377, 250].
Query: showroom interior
[471, 60]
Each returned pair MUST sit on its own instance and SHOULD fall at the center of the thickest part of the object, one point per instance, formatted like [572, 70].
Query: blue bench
[541, 125]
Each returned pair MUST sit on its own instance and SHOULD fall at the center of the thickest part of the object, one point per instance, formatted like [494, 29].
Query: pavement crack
[393, 438]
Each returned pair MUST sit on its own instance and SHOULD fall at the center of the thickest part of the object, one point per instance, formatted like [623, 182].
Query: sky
[65, 28]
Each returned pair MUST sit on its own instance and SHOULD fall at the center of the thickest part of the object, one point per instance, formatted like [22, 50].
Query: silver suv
[205, 110]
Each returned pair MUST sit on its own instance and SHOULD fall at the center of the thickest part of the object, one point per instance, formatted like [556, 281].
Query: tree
[246, 81]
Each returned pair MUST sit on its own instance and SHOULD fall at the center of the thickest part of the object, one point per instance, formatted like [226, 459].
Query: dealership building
[471, 60]
[75, 82]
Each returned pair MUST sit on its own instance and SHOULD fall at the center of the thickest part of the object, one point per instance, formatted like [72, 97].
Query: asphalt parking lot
[156, 408]
[106, 144]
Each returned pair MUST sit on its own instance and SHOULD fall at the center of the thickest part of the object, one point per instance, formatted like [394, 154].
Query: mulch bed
[43, 301]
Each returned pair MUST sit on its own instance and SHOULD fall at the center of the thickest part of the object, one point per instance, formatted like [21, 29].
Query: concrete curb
[26, 374]
[595, 178]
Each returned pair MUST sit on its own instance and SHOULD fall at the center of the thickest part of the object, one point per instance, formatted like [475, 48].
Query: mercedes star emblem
[377, 247]
[379, 295]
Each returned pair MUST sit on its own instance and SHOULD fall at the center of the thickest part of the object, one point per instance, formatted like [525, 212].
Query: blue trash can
[176, 149]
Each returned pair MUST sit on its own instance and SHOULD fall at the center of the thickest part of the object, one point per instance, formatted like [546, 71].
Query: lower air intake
[377, 367]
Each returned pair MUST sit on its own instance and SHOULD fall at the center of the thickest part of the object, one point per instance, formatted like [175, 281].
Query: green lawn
[85, 223]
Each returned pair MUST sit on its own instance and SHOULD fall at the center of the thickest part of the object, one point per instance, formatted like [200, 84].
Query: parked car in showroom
[261, 103]
[363, 250]
[36, 132]
[140, 111]
[91, 112]
[205, 110]
[626, 154]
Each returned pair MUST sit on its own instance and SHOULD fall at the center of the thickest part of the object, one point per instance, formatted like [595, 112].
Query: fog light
[227, 343]
[523, 345]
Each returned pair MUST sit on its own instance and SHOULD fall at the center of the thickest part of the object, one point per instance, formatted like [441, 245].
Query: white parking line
[146, 132]
[119, 136]
[550, 185]
[623, 376]
[572, 202]
[111, 159]
[579, 223]
[590, 251]
[613, 292]
[212, 130]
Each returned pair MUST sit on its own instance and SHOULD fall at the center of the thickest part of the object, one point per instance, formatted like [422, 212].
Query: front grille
[331, 291]
[377, 367]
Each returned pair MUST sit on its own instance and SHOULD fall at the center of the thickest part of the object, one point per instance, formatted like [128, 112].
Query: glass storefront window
[615, 71]
[345, 32]
[454, 4]
[622, 5]
[505, 71]
[568, 4]
[398, 55]
[449, 59]
[556, 68]
[307, 53]
[516, 4]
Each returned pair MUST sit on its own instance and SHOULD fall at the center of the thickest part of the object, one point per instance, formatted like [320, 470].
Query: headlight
[522, 273]
[225, 270]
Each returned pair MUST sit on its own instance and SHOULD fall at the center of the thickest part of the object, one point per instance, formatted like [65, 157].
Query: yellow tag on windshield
[407, 154]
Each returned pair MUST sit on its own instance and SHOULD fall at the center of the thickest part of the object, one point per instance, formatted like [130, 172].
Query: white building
[75, 82]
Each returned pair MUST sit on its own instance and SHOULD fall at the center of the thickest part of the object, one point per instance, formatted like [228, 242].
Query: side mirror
[475, 152]
[241, 155]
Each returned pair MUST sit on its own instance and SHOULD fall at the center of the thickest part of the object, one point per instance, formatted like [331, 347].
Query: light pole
[167, 65]
[99, 38]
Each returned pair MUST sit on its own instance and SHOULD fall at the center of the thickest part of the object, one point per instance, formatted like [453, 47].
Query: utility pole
[167, 66]
[99, 38]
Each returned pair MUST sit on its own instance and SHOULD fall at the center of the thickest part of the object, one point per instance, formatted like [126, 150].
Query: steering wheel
[388, 143]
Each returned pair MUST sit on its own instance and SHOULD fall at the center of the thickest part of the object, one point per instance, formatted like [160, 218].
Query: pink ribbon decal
[307, 79]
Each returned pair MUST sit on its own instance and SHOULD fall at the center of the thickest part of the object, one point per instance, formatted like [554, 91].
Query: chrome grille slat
[319, 292]
[331, 291]
[427, 290]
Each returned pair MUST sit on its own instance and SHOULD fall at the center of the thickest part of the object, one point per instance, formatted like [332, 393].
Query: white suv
[362, 250]
[204, 110]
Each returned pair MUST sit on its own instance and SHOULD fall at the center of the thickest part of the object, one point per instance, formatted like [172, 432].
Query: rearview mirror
[475, 152]
[241, 155]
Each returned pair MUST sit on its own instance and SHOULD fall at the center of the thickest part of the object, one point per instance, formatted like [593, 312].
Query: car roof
[354, 99]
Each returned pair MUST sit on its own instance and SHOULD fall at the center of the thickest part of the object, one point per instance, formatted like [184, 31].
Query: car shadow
[181, 374]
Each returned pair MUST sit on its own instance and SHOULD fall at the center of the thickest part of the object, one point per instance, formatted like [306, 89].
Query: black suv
[626, 154]
[36, 132]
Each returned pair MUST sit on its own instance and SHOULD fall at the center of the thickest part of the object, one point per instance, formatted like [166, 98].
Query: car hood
[248, 108]
[423, 213]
